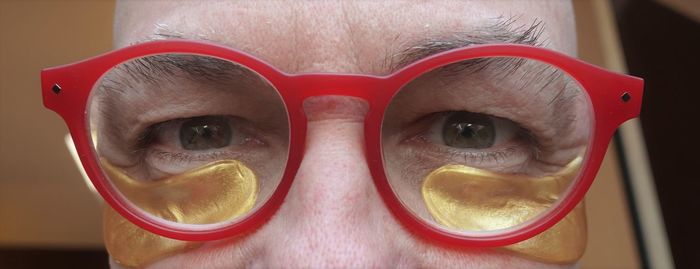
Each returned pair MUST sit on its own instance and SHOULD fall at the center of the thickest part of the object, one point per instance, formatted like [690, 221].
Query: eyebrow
[164, 67]
[504, 30]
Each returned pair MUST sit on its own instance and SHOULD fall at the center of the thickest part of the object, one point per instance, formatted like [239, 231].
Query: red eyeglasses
[481, 146]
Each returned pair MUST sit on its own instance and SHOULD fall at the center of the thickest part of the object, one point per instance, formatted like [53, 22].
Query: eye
[173, 146]
[200, 135]
[207, 132]
[467, 130]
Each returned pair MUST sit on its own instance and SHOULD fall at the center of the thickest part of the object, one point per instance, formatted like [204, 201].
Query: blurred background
[48, 216]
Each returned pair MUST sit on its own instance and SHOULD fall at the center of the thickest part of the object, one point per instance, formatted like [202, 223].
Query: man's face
[333, 215]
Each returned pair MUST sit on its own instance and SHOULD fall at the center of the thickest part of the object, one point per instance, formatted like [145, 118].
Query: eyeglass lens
[189, 139]
[486, 144]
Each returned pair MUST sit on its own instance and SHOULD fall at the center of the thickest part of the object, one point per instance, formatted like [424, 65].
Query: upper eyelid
[530, 84]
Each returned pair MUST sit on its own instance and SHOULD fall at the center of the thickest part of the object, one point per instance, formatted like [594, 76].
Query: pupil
[207, 132]
[469, 130]
[465, 130]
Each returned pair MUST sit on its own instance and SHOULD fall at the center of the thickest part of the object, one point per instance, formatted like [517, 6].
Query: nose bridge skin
[332, 216]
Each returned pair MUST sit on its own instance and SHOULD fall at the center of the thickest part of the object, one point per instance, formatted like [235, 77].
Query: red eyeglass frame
[615, 98]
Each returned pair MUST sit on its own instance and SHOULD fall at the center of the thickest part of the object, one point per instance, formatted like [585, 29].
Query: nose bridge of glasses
[335, 107]
[360, 86]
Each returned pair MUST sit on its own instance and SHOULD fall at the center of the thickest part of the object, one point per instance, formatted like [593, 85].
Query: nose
[332, 216]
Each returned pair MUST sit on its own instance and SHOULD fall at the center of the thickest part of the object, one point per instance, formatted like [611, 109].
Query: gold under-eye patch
[213, 193]
[564, 243]
[470, 199]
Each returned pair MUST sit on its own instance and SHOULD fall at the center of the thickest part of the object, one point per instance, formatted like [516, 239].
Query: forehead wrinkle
[301, 35]
[352, 31]
[234, 25]
[503, 31]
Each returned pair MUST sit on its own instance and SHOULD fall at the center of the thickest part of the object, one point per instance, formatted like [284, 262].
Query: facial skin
[333, 215]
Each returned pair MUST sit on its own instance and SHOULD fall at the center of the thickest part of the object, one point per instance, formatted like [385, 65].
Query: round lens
[486, 145]
[189, 139]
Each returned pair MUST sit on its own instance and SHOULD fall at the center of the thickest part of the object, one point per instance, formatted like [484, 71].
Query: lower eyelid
[502, 158]
[168, 163]
[165, 160]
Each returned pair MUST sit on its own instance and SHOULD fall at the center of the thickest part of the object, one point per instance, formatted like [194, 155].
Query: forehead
[340, 36]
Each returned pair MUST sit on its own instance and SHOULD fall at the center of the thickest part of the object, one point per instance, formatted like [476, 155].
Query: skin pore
[333, 216]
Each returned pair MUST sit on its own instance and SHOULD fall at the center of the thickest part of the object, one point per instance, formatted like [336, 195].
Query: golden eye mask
[213, 193]
[471, 199]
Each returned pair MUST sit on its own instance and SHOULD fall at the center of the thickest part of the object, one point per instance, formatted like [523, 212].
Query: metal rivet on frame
[56, 89]
[626, 97]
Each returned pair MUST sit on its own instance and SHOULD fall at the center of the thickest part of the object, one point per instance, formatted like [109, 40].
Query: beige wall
[43, 201]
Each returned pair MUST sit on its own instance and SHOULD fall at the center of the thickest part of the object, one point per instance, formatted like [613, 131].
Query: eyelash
[186, 157]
